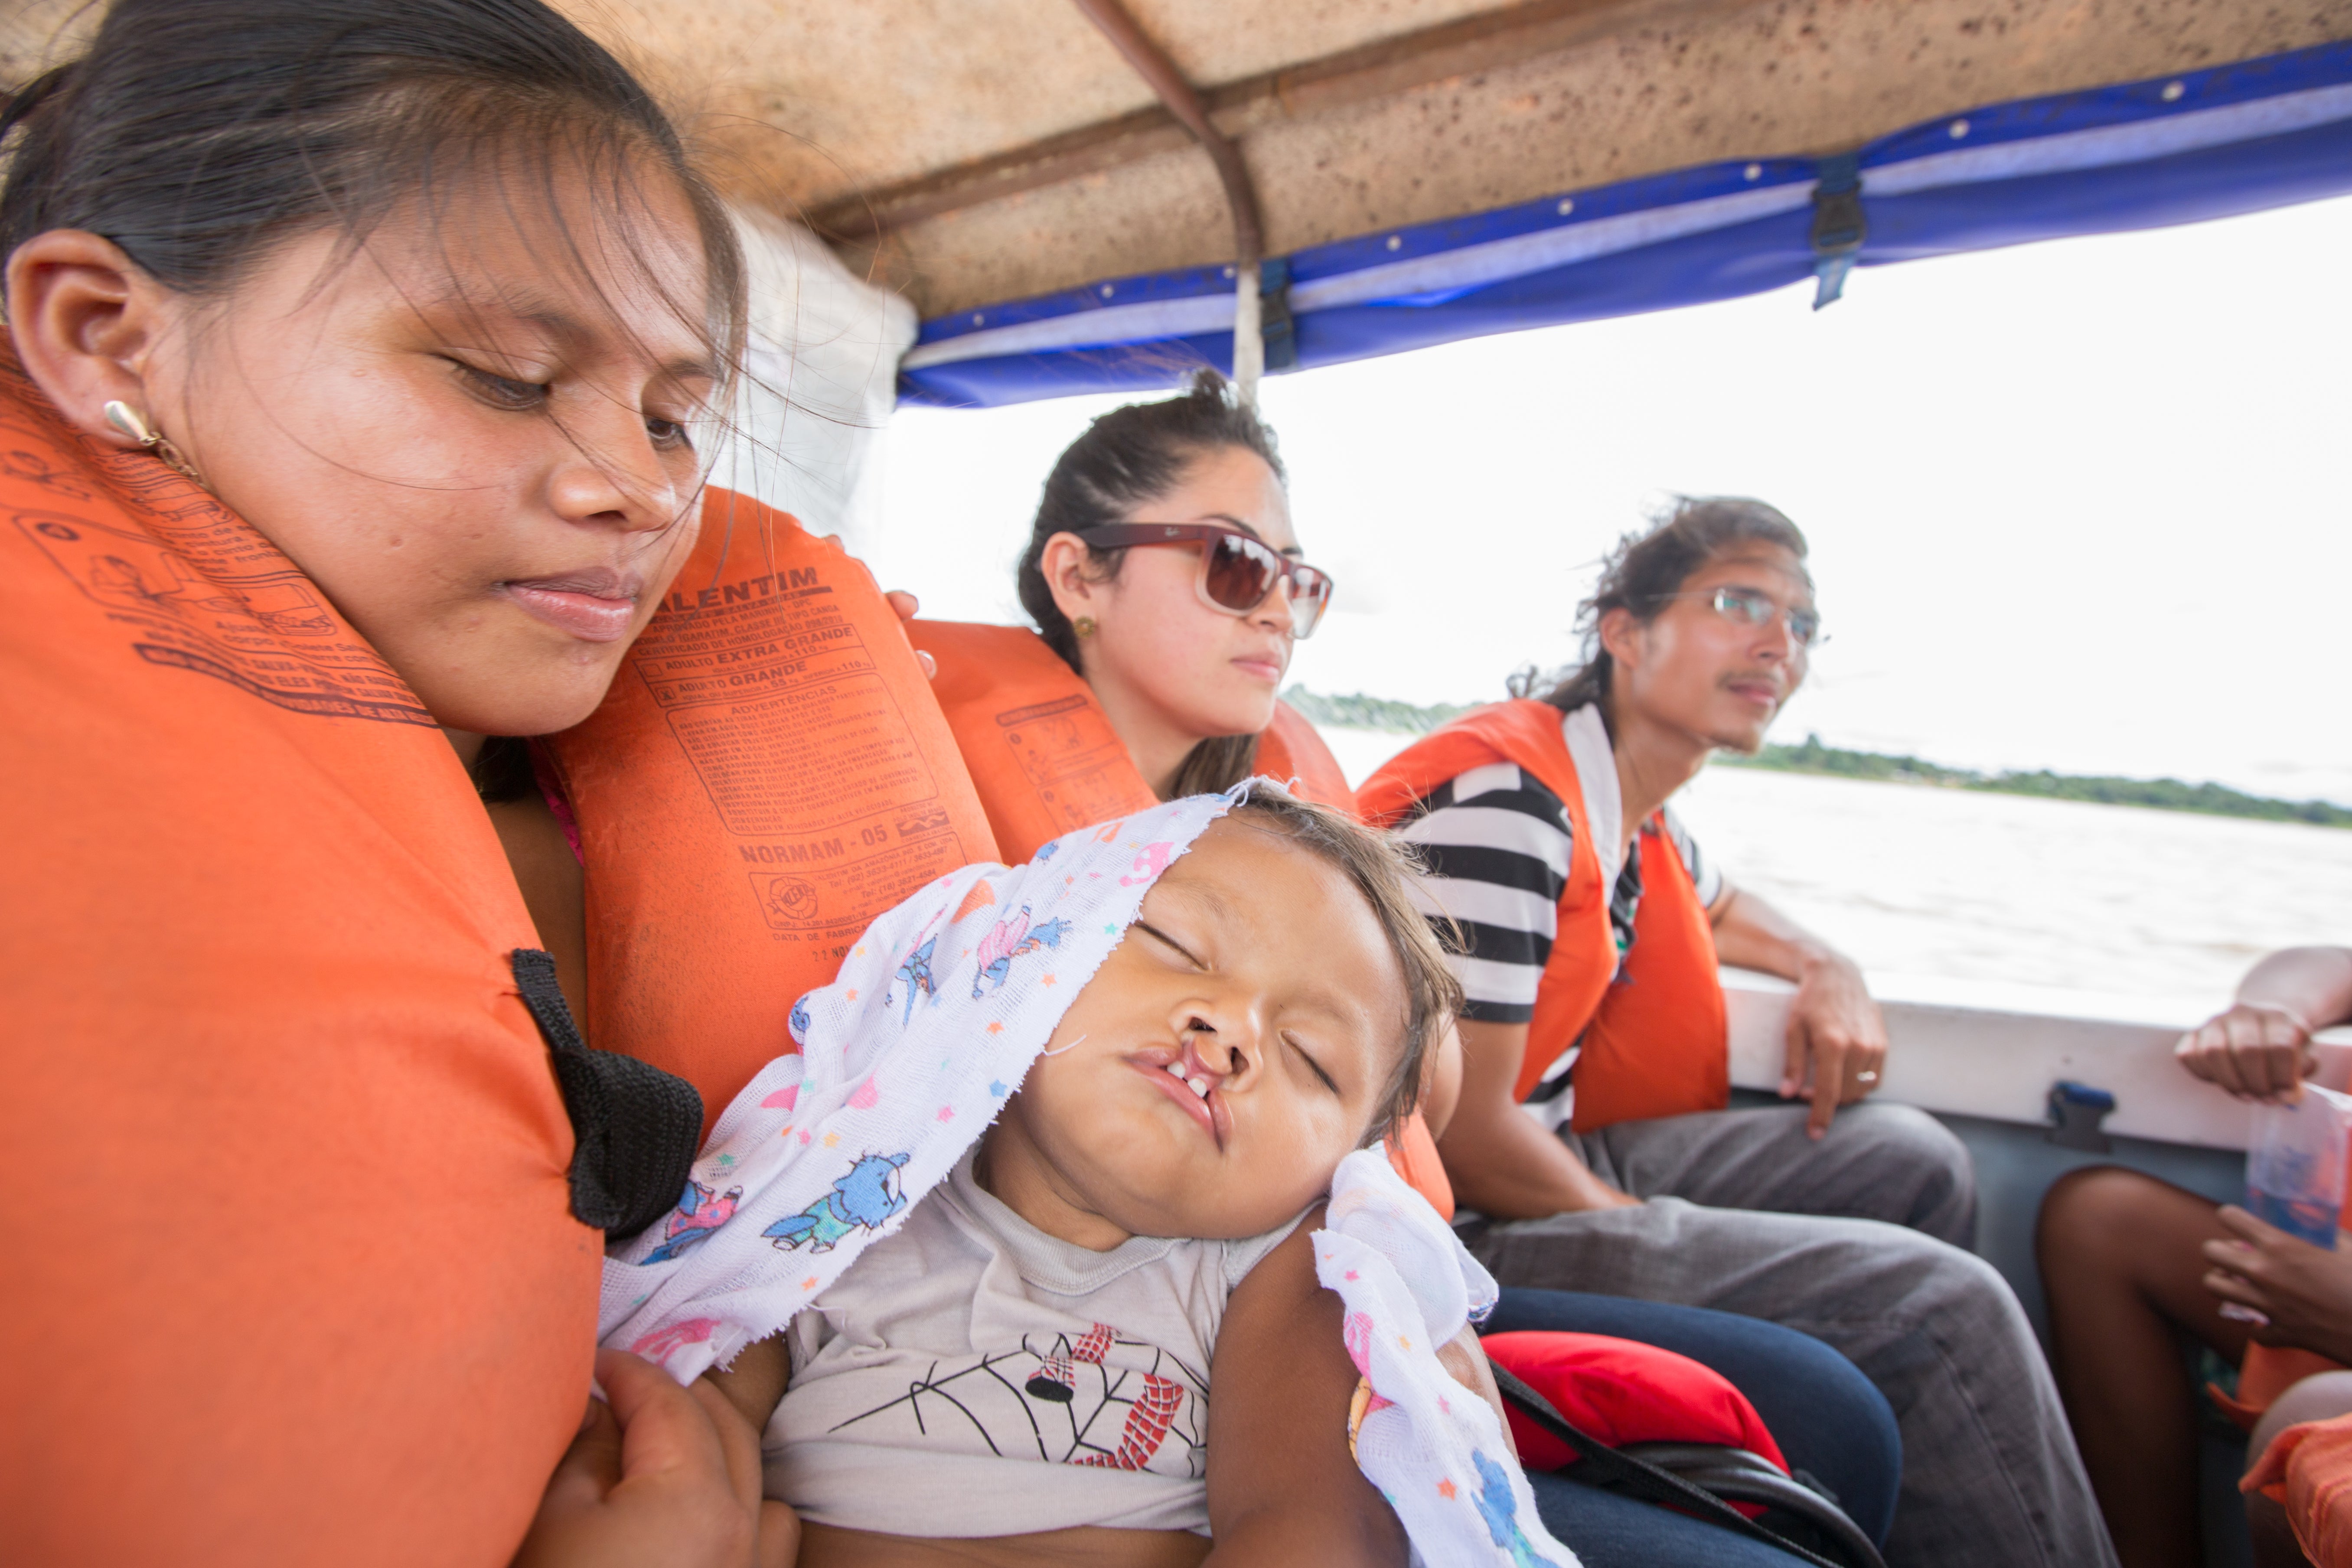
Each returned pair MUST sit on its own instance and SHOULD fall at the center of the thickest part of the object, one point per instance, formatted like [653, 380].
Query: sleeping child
[1076, 1123]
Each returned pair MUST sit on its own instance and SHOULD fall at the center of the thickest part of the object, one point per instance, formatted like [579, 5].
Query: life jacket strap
[634, 1127]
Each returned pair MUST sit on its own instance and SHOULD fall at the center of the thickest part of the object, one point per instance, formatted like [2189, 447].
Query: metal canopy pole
[1152, 64]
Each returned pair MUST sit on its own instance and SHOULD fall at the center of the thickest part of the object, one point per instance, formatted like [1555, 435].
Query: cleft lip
[1220, 1114]
[1210, 1110]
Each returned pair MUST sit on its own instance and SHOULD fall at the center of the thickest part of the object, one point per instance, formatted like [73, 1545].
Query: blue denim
[1829, 1420]
[1606, 1530]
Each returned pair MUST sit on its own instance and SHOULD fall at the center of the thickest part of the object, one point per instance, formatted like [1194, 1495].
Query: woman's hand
[1836, 1030]
[661, 1476]
[2256, 1050]
[2261, 1047]
[908, 606]
[2305, 1291]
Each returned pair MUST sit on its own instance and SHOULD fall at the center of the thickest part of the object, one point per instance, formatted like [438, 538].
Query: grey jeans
[1748, 1215]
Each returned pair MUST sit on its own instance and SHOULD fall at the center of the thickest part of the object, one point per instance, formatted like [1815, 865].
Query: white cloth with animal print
[903, 1061]
[975, 1376]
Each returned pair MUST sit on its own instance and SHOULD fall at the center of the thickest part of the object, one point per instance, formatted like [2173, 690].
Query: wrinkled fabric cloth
[908, 1055]
[1436, 1450]
[2307, 1470]
[902, 1062]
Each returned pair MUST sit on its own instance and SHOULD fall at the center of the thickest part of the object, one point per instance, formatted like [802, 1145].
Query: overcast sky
[2084, 505]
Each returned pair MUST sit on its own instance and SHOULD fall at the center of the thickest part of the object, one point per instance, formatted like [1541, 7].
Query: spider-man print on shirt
[1096, 1400]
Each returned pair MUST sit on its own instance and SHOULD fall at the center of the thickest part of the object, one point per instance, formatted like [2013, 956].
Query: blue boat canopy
[2176, 149]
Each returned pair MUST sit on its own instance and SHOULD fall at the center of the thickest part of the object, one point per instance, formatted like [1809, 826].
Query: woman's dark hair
[196, 134]
[1645, 572]
[504, 771]
[1127, 458]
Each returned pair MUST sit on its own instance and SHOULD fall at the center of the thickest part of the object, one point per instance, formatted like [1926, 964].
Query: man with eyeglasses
[1588, 929]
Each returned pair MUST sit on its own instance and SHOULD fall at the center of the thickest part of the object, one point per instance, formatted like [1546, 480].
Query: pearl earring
[1084, 625]
[121, 415]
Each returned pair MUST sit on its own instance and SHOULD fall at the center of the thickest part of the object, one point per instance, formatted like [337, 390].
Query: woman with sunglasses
[1164, 570]
[1590, 927]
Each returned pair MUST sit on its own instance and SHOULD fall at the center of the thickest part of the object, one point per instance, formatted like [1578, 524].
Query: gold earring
[1084, 625]
[119, 414]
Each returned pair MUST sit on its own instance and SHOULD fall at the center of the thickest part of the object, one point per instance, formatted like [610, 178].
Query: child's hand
[2305, 1291]
[662, 1474]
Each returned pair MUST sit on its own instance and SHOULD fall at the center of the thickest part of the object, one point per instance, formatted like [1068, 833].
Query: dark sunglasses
[1237, 570]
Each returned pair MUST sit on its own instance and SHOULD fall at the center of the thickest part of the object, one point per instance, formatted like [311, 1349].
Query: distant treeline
[2164, 795]
[1362, 712]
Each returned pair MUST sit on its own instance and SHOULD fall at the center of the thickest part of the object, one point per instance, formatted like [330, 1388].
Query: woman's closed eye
[501, 390]
[519, 397]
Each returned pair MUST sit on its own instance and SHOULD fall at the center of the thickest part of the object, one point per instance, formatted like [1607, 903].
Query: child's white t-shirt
[971, 1375]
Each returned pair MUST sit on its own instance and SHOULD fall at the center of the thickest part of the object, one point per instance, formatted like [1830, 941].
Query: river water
[1955, 885]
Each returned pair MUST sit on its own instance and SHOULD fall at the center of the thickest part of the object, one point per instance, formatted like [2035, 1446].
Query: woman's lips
[1265, 669]
[595, 606]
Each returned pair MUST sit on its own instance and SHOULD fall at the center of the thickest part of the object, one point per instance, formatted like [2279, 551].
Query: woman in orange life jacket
[352, 353]
[2133, 1265]
[1589, 919]
[1188, 680]
[1188, 683]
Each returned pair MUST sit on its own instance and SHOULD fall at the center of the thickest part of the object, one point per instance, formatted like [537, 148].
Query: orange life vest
[768, 774]
[1043, 753]
[1290, 749]
[283, 1168]
[2307, 1471]
[1038, 747]
[1046, 760]
[1653, 1031]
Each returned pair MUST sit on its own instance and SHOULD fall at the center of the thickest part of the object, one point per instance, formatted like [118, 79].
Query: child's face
[1260, 973]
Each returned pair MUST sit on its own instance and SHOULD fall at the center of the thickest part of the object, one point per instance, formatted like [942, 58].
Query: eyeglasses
[1237, 570]
[1750, 607]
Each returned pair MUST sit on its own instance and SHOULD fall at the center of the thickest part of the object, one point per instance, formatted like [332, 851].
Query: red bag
[1621, 1392]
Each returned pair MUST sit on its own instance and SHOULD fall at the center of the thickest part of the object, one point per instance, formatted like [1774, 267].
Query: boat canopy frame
[2182, 148]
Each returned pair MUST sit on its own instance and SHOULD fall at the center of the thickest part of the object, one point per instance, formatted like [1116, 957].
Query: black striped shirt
[1497, 846]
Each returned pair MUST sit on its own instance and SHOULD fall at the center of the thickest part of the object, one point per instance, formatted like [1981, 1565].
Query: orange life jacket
[1654, 1035]
[1046, 760]
[2307, 1471]
[283, 1168]
[1290, 749]
[1038, 747]
[768, 774]
[1043, 753]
